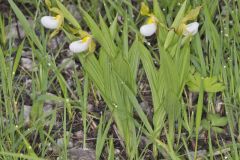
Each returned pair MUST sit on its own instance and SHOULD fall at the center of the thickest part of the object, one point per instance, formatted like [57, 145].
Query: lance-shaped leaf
[192, 14]
[144, 9]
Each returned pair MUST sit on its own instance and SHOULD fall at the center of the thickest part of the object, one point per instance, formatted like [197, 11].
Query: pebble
[26, 113]
[79, 134]
[60, 142]
[28, 64]
[14, 30]
[81, 154]
[68, 63]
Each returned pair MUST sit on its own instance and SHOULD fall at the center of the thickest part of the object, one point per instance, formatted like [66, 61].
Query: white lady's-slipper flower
[191, 29]
[149, 28]
[80, 45]
[51, 22]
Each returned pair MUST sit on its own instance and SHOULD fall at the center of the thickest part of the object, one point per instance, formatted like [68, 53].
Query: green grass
[190, 84]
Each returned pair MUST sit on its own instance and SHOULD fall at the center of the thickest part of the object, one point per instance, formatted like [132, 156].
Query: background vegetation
[162, 97]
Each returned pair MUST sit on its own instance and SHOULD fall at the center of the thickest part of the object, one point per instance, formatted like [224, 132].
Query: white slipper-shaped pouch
[80, 45]
[191, 29]
[148, 29]
[50, 22]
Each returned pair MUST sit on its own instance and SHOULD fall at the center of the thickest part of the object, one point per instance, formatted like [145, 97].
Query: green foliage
[112, 69]
[215, 122]
[210, 84]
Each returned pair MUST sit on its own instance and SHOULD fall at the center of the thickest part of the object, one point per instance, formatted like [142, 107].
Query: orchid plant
[85, 42]
[108, 54]
[110, 84]
[174, 55]
[168, 78]
[114, 70]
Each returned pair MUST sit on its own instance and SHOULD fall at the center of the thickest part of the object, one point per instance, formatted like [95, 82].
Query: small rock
[28, 64]
[146, 108]
[90, 108]
[74, 10]
[200, 153]
[47, 108]
[68, 63]
[60, 142]
[70, 144]
[26, 53]
[68, 52]
[78, 134]
[81, 154]
[117, 151]
[56, 41]
[14, 30]
[26, 113]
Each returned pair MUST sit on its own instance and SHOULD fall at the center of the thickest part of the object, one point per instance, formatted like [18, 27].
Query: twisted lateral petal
[79, 46]
[50, 22]
[191, 29]
[148, 29]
